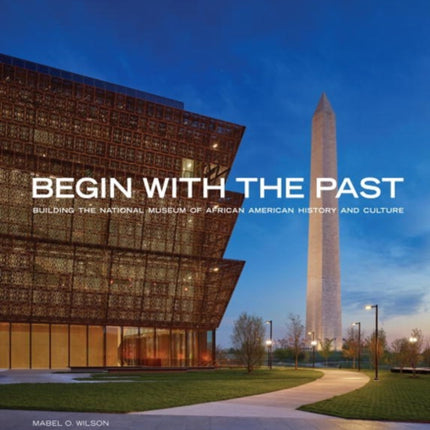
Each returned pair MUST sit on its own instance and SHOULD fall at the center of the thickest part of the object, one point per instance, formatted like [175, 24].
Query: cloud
[392, 303]
[396, 278]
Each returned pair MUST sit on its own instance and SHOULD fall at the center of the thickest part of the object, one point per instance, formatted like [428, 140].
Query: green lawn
[395, 397]
[150, 390]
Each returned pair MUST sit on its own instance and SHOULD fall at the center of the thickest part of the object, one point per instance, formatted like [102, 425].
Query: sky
[264, 65]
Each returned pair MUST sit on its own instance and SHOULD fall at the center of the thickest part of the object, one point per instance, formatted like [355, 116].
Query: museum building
[84, 282]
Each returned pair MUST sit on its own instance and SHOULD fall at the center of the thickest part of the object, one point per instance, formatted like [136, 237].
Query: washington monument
[323, 305]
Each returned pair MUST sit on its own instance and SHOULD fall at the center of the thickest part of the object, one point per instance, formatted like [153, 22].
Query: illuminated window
[187, 168]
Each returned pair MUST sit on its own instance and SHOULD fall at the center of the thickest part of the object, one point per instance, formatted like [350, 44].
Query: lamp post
[269, 344]
[413, 340]
[314, 344]
[359, 344]
[369, 307]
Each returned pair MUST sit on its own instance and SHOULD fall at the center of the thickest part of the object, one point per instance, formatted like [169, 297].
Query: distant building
[109, 289]
[323, 306]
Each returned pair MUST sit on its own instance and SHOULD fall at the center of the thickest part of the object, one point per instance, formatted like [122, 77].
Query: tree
[295, 337]
[399, 349]
[416, 342]
[426, 354]
[247, 339]
[326, 349]
[350, 346]
[285, 353]
[282, 354]
[371, 346]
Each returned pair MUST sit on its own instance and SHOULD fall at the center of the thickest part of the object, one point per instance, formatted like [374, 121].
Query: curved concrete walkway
[277, 404]
[271, 411]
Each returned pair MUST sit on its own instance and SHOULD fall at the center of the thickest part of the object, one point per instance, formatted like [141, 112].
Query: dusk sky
[264, 65]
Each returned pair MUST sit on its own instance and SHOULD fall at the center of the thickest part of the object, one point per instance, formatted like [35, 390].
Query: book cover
[166, 167]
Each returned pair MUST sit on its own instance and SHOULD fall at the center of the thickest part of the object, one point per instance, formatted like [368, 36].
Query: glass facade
[4, 346]
[39, 345]
[104, 287]
[60, 346]
[59, 355]
[20, 346]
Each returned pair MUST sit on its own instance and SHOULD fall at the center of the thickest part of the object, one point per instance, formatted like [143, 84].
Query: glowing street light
[359, 344]
[314, 344]
[368, 308]
[269, 344]
[413, 340]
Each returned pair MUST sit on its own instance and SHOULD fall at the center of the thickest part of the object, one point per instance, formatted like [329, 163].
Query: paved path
[278, 404]
[271, 411]
[17, 376]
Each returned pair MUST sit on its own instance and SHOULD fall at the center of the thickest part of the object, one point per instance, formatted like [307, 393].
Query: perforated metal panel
[140, 269]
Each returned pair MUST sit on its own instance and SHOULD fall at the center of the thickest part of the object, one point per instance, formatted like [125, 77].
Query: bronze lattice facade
[109, 288]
